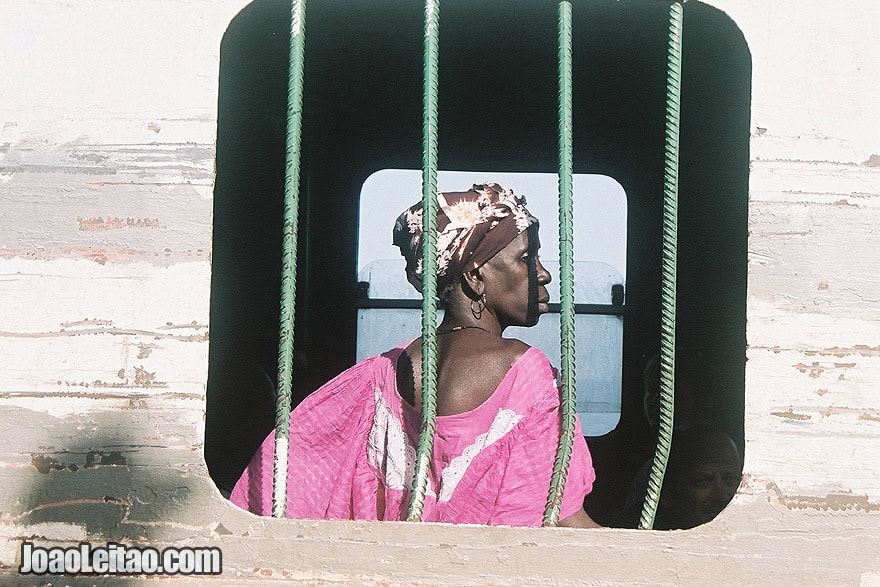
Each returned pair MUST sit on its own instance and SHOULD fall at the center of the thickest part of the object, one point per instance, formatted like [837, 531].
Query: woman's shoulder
[505, 352]
[361, 378]
[530, 379]
[529, 357]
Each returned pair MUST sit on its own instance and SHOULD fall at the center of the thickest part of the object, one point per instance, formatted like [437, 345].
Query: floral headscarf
[472, 227]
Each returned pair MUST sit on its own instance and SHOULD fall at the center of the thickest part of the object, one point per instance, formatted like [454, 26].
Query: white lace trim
[503, 423]
[389, 450]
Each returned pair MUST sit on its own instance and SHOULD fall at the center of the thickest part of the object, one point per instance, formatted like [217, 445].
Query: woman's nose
[543, 275]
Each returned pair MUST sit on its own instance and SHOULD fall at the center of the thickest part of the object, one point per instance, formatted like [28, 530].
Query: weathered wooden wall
[108, 115]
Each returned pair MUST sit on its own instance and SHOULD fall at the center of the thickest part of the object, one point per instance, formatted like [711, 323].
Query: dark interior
[498, 88]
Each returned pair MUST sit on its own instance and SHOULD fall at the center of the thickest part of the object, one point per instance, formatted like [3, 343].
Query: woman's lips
[544, 303]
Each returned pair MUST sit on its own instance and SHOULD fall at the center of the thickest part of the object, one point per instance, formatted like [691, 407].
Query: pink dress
[352, 452]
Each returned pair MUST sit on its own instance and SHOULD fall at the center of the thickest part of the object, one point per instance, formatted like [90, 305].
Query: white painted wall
[107, 125]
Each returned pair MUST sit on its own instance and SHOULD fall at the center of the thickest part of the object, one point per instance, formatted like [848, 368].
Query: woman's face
[515, 282]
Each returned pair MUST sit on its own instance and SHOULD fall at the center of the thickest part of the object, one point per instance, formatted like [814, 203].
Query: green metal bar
[429, 261]
[669, 269]
[566, 270]
[288, 255]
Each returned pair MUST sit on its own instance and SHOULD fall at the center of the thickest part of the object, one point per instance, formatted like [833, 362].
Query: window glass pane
[600, 254]
[599, 211]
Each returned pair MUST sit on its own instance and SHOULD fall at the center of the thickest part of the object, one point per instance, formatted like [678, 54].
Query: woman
[352, 442]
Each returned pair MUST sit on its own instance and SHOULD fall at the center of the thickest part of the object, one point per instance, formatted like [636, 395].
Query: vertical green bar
[288, 255]
[668, 269]
[566, 270]
[429, 261]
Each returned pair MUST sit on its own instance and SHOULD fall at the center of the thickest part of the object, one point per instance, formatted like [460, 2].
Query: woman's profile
[352, 441]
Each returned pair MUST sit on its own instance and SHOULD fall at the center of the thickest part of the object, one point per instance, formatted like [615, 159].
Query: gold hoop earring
[481, 305]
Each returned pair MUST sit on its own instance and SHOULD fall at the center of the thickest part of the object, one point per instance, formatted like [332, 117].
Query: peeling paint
[836, 351]
[102, 255]
[136, 404]
[791, 415]
[159, 397]
[98, 255]
[145, 349]
[834, 502]
[99, 459]
[66, 503]
[116, 223]
[173, 326]
[840, 411]
[46, 464]
[87, 322]
[816, 369]
[142, 380]
[830, 411]
[112, 331]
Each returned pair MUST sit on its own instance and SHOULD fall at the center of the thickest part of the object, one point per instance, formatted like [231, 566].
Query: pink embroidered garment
[352, 452]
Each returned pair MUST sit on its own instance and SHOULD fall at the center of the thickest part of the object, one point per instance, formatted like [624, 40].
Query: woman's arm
[580, 519]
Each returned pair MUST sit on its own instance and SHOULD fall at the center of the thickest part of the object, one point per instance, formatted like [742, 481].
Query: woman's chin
[532, 320]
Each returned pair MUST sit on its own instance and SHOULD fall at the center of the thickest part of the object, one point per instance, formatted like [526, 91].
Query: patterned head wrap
[472, 227]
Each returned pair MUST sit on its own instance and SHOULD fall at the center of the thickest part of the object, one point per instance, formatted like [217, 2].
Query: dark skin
[471, 362]
[701, 481]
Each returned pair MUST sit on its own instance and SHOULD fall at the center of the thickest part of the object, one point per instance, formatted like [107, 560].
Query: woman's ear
[472, 284]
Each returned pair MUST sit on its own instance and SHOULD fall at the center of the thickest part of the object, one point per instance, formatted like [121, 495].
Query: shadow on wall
[122, 471]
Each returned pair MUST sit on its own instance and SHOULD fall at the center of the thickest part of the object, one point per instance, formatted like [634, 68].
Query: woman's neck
[453, 323]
